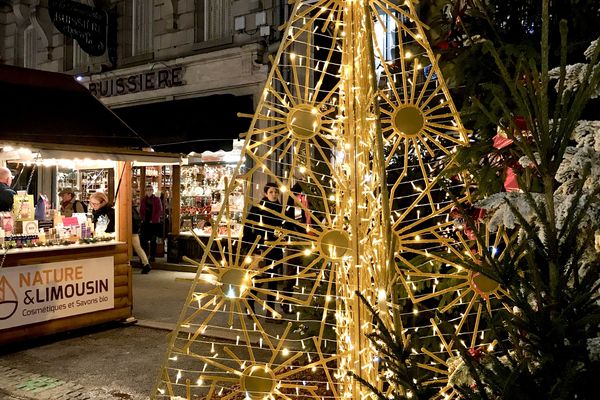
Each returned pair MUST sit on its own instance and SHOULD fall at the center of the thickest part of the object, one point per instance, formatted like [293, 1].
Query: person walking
[265, 220]
[165, 200]
[136, 224]
[7, 195]
[150, 213]
[69, 204]
[101, 207]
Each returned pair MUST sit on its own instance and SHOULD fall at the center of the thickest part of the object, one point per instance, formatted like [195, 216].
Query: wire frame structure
[353, 132]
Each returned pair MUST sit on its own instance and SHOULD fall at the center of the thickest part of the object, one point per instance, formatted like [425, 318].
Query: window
[142, 19]
[30, 47]
[213, 20]
[81, 59]
[385, 31]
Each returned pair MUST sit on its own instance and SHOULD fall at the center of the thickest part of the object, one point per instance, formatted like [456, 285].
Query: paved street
[110, 362]
[114, 361]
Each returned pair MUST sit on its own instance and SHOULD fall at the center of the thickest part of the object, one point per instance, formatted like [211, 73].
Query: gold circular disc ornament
[257, 382]
[235, 283]
[334, 244]
[304, 121]
[482, 284]
[408, 120]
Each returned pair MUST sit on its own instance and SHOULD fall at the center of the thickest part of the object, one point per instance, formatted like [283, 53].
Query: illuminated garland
[366, 132]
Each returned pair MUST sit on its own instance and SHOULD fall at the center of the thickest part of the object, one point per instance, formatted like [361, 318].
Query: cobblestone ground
[113, 362]
[20, 385]
[5, 396]
[104, 363]
[25, 385]
[118, 363]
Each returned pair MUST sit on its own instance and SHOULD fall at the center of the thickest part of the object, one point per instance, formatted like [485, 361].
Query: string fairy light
[322, 122]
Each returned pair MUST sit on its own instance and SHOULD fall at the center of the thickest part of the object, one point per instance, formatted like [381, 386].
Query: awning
[190, 125]
[48, 107]
[229, 157]
[18, 151]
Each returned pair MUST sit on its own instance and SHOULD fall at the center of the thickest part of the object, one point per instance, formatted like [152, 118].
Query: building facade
[152, 60]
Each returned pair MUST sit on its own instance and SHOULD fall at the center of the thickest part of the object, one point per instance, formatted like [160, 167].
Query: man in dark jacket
[69, 204]
[6, 193]
[150, 213]
[263, 220]
[136, 225]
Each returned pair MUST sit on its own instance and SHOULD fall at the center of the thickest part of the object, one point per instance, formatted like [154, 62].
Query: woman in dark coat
[265, 220]
[100, 206]
[265, 217]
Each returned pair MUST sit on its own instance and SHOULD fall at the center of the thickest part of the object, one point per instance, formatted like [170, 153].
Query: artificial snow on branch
[575, 73]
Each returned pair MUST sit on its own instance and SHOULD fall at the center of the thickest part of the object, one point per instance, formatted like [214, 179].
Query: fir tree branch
[558, 106]
[545, 50]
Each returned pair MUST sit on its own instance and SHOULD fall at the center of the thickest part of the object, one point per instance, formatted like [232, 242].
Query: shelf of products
[67, 178]
[96, 180]
[153, 178]
[161, 180]
[136, 183]
[166, 178]
[159, 177]
[202, 192]
[86, 181]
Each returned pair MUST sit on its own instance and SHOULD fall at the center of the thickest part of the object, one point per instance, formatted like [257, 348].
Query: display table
[75, 246]
[46, 290]
[185, 244]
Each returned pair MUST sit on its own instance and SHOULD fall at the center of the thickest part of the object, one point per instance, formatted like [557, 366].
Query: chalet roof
[48, 107]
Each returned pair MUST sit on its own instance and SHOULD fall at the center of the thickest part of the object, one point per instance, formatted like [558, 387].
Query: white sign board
[36, 293]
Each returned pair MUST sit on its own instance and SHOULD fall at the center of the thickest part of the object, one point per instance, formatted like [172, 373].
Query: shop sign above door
[87, 25]
[139, 82]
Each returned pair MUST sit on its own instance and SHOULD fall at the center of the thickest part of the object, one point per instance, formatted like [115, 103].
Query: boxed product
[7, 222]
[23, 208]
[26, 227]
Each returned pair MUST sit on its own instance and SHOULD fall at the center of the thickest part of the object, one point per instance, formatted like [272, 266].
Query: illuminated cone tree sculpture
[356, 112]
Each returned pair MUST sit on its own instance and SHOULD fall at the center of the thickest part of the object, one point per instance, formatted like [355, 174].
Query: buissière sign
[140, 82]
[36, 293]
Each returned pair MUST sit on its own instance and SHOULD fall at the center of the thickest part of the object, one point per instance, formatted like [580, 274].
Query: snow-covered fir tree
[581, 161]
[550, 339]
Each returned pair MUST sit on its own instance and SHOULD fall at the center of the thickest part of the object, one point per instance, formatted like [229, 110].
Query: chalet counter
[185, 244]
[46, 290]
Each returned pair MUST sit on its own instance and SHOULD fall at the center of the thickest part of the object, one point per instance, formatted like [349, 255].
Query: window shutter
[30, 47]
[142, 20]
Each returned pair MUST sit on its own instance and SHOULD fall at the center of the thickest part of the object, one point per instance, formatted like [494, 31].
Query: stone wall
[176, 32]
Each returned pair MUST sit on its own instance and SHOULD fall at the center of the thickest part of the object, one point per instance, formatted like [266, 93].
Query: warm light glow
[315, 124]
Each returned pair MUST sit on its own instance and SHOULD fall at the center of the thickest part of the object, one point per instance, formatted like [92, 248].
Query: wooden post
[123, 204]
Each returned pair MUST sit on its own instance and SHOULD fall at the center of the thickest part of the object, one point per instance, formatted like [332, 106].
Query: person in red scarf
[294, 212]
[265, 220]
[150, 213]
[69, 204]
[297, 221]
